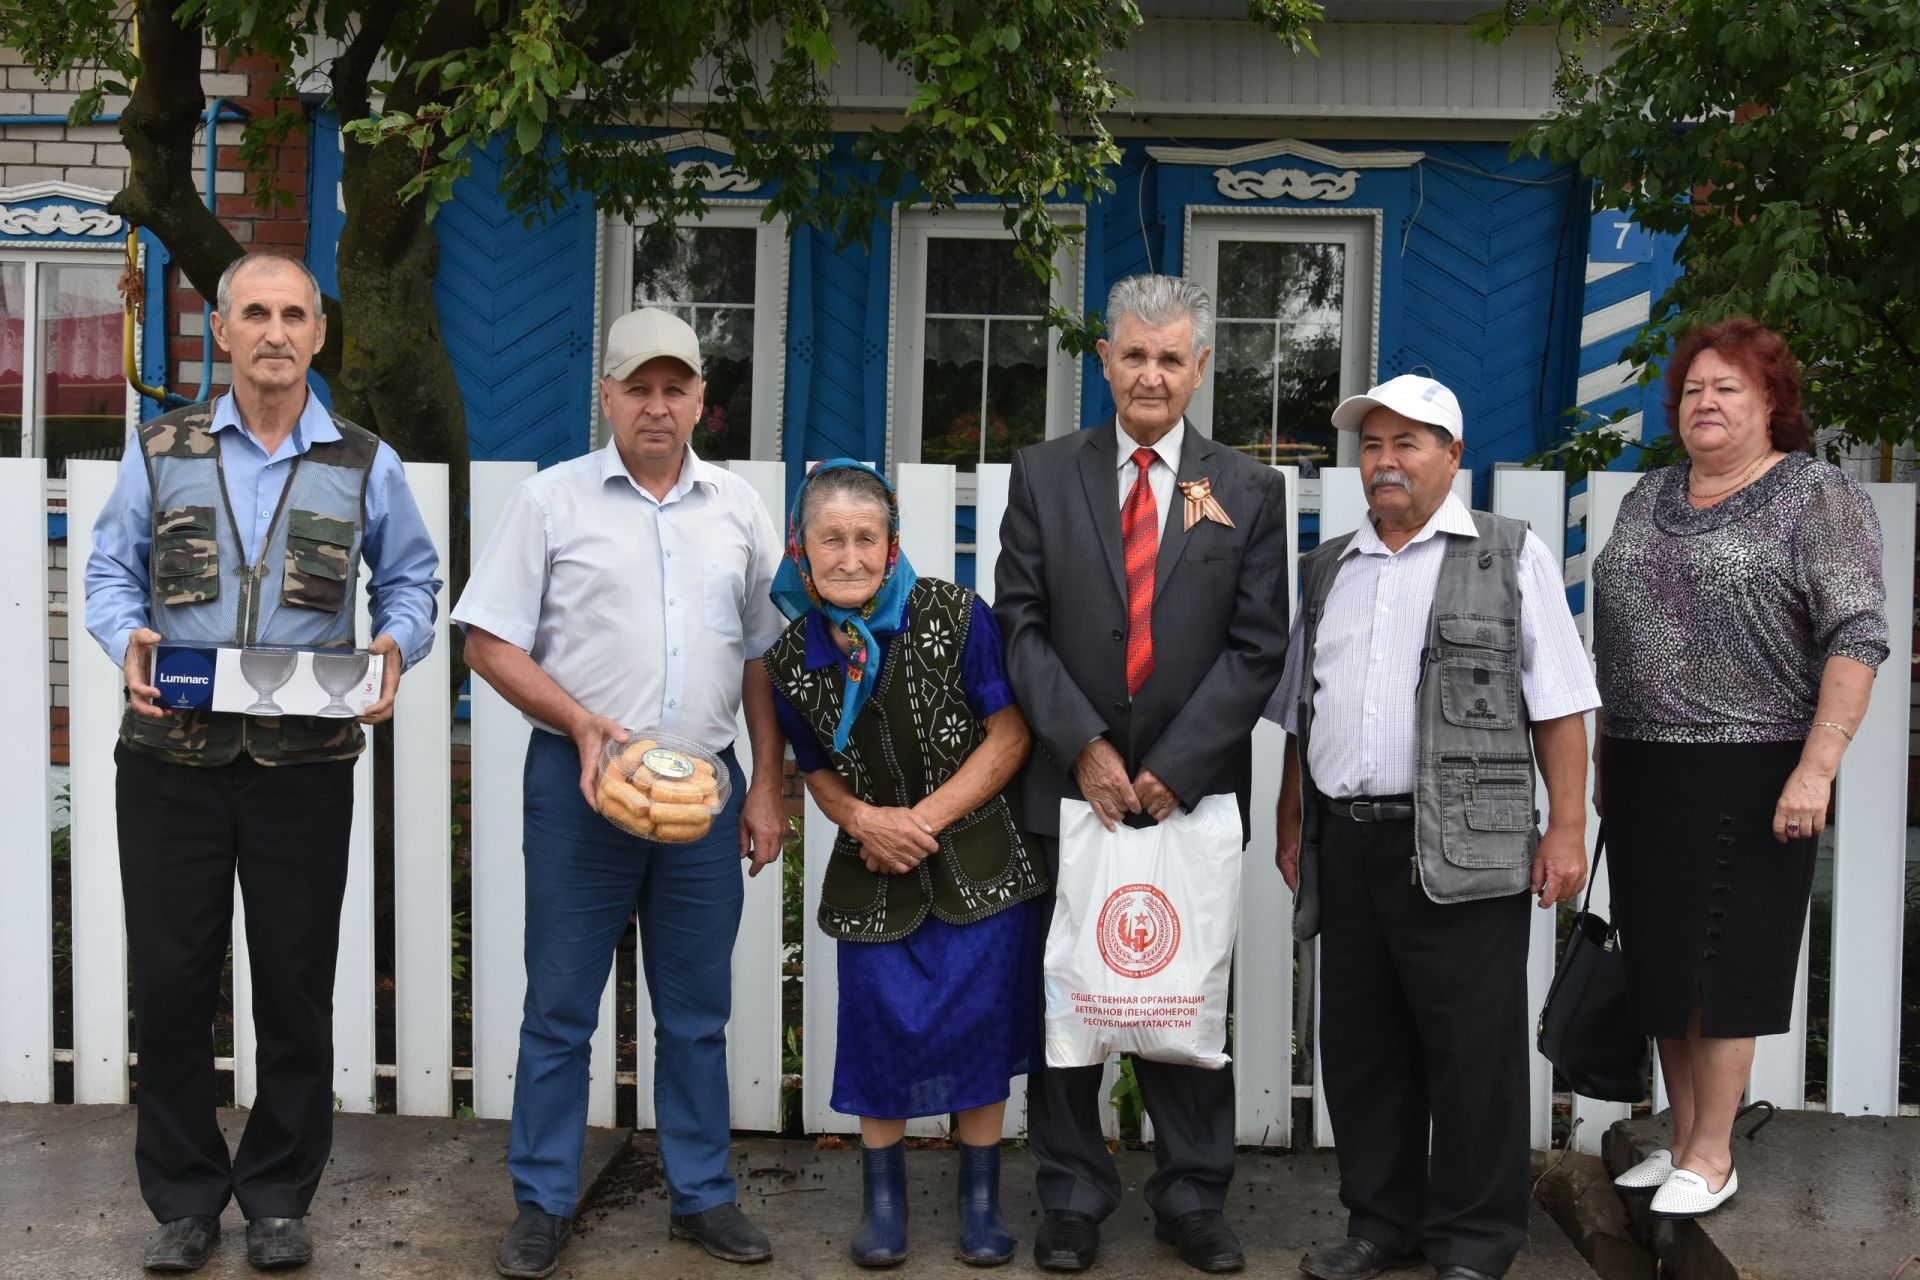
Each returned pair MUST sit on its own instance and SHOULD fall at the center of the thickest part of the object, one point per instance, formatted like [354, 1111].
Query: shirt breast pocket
[723, 592]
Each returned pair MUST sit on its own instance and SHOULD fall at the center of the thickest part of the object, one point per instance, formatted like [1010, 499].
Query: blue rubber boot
[984, 1238]
[882, 1238]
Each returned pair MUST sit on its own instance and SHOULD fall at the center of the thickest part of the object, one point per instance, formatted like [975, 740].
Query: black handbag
[1585, 1029]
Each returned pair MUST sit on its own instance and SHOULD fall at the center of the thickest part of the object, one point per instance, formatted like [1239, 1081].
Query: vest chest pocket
[317, 566]
[1478, 673]
[186, 556]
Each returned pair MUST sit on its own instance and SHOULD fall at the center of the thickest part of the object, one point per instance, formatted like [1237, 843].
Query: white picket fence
[1868, 891]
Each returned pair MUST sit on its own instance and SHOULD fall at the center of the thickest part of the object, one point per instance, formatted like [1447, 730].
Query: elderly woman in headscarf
[893, 692]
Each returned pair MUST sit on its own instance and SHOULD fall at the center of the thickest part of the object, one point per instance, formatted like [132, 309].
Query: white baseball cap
[1422, 399]
[647, 334]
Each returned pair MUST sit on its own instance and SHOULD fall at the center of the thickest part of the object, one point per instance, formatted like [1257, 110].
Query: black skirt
[1708, 903]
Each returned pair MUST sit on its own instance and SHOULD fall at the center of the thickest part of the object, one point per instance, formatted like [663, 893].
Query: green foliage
[1009, 98]
[1129, 1105]
[459, 938]
[1776, 139]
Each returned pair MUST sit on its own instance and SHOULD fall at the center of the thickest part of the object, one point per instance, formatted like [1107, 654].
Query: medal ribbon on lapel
[1201, 504]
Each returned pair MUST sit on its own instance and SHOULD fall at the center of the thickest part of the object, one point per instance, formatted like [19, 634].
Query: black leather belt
[1372, 808]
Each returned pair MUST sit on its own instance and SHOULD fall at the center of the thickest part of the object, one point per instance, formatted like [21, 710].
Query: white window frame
[32, 258]
[912, 229]
[1358, 230]
[772, 254]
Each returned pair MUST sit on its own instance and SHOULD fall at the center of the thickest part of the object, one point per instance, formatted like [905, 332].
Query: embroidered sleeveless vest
[913, 734]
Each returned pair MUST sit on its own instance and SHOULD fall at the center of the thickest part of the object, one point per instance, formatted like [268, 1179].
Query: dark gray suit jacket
[1219, 619]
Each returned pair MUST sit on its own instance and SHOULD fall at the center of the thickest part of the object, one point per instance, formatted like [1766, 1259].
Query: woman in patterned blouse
[893, 692]
[1738, 620]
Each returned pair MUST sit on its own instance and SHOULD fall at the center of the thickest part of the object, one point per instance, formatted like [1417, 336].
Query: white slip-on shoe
[1685, 1194]
[1646, 1177]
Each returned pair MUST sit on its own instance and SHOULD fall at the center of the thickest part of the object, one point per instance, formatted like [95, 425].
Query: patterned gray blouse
[1715, 625]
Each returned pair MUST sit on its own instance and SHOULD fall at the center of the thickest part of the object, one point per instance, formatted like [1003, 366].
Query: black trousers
[1192, 1112]
[184, 832]
[1423, 1025]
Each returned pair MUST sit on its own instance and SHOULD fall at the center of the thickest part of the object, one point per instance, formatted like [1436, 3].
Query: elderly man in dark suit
[1142, 592]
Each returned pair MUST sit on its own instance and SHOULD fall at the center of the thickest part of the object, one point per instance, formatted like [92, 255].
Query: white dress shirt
[1160, 476]
[643, 610]
[1367, 655]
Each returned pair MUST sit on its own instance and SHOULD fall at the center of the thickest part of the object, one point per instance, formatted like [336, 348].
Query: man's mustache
[1381, 479]
[268, 349]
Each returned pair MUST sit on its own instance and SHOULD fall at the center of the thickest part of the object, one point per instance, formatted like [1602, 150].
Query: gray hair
[1157, 301]
[846, 484]
[223, 293]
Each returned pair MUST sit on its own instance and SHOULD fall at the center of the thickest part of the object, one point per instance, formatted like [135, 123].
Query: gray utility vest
[202, 590]
[1474, 824]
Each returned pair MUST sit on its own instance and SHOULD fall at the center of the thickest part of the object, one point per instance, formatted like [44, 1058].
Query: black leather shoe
[1205, 1241]
[531, 1247]
[1454, 1271]
[184, 1244]
[724, 1232]
[279, 1242]
[1354, 1259]
[1068, 1240]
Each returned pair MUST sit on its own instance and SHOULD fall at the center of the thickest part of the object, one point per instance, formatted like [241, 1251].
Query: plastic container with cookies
[660, 787]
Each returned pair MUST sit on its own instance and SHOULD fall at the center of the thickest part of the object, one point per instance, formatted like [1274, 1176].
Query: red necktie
[1140, 543]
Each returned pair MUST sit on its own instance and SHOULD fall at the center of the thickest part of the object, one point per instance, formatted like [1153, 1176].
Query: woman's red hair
[1765, 357]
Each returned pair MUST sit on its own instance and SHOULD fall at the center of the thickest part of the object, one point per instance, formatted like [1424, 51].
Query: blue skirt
[942, 1020]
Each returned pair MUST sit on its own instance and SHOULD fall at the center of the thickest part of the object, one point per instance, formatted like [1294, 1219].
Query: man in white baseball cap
[1409, 395]
[628, 590]
[1432, 663]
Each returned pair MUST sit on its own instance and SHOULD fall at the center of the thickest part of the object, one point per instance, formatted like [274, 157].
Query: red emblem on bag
[1139, 931]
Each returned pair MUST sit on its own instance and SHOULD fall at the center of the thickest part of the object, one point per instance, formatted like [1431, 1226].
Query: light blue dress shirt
[402, 565]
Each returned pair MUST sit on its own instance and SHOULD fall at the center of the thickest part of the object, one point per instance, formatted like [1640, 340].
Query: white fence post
[26, 944]
[1605, 489]
[926, 492]
[990, 505]
[1539, 498]
[423, 847]
[1263, 987]
[754, 1033]
[354, 1075]
[498, 926]
[1869, 864]
[99, 929]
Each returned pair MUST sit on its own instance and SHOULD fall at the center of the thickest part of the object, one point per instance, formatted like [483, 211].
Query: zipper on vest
[249, 619]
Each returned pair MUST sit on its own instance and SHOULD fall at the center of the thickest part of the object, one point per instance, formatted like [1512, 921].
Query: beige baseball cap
[1412, 396]
[646, 334]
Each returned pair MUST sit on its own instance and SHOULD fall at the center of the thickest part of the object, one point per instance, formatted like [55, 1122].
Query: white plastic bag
[1142, 940]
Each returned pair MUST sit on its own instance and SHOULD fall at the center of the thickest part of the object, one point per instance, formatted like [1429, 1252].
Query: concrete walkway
[412, 1197]
[403, 1196]
[1836, 1197]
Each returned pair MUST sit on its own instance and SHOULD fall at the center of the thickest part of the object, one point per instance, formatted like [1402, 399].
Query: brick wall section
[92, 156]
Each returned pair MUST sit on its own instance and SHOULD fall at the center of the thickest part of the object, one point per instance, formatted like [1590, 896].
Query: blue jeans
[584, 877]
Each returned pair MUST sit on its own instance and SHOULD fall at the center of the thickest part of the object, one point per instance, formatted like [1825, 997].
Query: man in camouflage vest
[244, 521]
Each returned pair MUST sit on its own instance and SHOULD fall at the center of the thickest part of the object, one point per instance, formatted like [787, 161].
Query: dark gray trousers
[1192, 1112]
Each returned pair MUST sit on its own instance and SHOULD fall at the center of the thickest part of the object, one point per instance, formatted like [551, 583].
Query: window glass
[13, 354]
[983, 383]
[1278, 355]
[82, 379]
[705, 275]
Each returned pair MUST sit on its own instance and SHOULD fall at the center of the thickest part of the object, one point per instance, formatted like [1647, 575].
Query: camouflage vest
[299, 592]
[914, 733]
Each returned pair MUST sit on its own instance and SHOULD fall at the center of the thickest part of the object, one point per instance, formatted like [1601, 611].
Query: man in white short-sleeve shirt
[627, 591]
[1432, 663]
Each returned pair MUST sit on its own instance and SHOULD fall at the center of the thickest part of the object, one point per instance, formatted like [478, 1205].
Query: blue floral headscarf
[795, 594]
